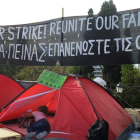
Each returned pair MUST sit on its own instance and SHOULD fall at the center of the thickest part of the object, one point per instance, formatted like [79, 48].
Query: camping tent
[9, 89]
[100, 81]
[67, 99]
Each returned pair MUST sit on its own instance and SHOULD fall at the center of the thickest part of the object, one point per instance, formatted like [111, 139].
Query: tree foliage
[108, 7]
[112, 74]
[131, 82]
[81, 70]
[90, 12]
[10, 70]
[27, 73]
[128, 75]
[86, 71]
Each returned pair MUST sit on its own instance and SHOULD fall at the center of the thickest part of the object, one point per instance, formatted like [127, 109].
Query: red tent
[73, 112]
[9, 89]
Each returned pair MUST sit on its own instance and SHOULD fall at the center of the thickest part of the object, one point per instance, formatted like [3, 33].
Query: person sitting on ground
[41, 126]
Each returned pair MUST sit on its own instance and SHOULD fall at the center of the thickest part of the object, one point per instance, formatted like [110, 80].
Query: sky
[14, 12]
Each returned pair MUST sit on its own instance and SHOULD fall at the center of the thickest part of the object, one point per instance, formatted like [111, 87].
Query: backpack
[98, 131]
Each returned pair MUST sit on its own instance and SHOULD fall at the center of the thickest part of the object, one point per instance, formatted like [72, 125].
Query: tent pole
[88, 98]
[61, 67]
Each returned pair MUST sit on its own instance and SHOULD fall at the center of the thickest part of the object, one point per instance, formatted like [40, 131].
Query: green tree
[131, 82]
[73, 69]
[108, 7]
[86, 71]
[111, 73]
[10, 70]
[128, 75]
[90, 12]
[31, 73]
[80, 70]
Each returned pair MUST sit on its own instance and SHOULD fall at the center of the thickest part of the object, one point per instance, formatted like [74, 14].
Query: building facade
[97, 70]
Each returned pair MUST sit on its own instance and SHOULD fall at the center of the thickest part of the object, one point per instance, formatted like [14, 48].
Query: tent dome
[73, 102]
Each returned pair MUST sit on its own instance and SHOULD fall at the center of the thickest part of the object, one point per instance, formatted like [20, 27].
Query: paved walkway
[135, 136]
[134, 114]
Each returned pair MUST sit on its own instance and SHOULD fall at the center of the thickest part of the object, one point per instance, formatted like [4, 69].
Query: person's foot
[41, 135]
[31, 134]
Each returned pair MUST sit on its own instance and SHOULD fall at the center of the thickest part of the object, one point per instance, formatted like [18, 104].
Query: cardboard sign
[51, 79]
